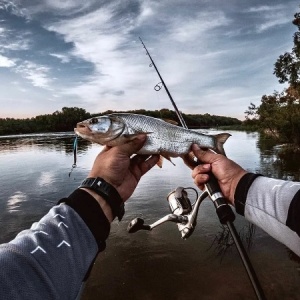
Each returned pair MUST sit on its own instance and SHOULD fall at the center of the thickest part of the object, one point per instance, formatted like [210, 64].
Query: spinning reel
[182, 212]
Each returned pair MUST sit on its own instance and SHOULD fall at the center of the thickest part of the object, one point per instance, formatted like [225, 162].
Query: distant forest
[68, 117]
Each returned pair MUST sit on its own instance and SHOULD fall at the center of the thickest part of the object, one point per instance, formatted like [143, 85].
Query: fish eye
[94, 121]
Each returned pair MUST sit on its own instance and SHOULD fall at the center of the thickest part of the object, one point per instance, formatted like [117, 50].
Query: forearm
[52, 258]
[273, 205]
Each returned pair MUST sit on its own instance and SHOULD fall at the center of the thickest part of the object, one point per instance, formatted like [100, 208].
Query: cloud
[37, 74]
[13, 7]
[270, 15]
[265, 8]
[62, 57]
[5, 62]
[185, 30]
[103, 47]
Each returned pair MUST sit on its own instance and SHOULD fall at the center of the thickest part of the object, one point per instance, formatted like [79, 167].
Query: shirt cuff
[241, 191]
[90, 211]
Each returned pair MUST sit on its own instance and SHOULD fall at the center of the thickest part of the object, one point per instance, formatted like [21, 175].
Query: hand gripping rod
[223, 210]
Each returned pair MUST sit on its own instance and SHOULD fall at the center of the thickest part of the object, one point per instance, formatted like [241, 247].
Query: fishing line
[75, 146]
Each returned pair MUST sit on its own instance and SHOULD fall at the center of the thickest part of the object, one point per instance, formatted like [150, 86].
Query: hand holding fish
[116, 167]
[227, 172]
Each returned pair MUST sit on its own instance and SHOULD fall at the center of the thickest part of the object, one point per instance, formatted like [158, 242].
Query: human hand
[227, 172]
[116, 167]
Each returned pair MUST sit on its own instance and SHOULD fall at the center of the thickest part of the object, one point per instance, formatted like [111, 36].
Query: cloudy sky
[215, 56]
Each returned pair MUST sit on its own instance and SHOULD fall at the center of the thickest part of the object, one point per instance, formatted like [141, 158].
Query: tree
[279, 113]
[287, 66]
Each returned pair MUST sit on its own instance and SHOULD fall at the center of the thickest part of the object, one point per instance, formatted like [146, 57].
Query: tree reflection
[223, 240]
[277, 163]
[48, 141]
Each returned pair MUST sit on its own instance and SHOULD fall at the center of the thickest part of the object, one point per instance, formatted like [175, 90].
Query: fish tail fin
[221, 138]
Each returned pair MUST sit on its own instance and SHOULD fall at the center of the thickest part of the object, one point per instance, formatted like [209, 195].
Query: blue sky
[215, 56]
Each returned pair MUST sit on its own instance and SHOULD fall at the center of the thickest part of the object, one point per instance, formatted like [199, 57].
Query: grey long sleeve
[52, 258]
[273, 205]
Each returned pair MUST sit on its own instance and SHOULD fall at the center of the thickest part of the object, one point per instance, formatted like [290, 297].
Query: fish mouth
[82, 128]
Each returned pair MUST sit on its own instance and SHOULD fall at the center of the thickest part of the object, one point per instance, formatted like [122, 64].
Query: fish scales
[164, 137]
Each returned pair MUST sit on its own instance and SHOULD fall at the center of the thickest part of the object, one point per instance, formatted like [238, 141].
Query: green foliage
[68, 117]
[287, 66]
[64, 120]
[279, 114]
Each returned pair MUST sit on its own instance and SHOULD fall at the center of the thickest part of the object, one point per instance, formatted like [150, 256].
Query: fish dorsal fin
[170, 121]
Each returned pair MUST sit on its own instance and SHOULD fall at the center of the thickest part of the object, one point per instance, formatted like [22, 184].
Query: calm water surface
[158, 264]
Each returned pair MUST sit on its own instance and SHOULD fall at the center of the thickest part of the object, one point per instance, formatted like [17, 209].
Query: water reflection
[14, 202]
[277, 165]
[48, 141]
[147, 265]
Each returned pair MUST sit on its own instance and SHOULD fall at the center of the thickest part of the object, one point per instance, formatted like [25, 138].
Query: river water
[157, 264]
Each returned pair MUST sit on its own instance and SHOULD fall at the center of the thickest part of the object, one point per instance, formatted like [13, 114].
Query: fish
[163, 138]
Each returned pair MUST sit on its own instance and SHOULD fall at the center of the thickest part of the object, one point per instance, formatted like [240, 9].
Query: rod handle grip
[223, 210]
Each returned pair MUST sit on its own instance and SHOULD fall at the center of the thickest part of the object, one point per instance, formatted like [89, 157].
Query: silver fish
[163, 138]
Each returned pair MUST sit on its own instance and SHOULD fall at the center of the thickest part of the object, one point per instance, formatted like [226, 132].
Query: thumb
[133, 146]
[204, 156]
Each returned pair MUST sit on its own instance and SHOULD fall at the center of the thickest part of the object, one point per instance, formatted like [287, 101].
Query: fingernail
[196, 147]
[141, 137]
[206, 166]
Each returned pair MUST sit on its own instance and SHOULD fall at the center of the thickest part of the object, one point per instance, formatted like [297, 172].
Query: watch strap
[108, 193]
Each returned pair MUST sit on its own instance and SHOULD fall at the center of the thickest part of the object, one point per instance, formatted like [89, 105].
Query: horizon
[113, 111]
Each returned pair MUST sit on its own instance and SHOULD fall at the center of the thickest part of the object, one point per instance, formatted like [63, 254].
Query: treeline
[279, 114]
[63, 120]
[68, 117]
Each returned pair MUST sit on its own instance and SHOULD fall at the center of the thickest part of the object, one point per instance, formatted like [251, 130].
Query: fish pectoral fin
[160, 161]
[221, 138]
[168, 158]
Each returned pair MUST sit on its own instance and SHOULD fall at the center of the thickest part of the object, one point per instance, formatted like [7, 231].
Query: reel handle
[136, 225]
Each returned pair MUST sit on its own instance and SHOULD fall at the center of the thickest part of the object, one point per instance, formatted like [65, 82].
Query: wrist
[103, 204]
[106, 192]
[234, 184]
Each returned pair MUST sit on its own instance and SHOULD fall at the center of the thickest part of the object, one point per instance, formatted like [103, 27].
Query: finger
[141, 166]
[201, 169]
[189, 161]
[134, 145]
[149, 164]
[105, 149]
[137, 159]
[201, 179]
[204, 156]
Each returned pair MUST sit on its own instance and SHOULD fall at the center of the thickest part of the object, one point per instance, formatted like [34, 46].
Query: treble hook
[158, 86]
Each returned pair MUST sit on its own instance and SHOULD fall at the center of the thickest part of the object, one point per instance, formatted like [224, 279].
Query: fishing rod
[157, 88]
[185, 216]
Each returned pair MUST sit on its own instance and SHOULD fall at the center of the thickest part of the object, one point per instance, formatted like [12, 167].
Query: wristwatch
[108, 193]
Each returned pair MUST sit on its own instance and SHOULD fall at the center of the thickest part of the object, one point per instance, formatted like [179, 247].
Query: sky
[215, 56]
